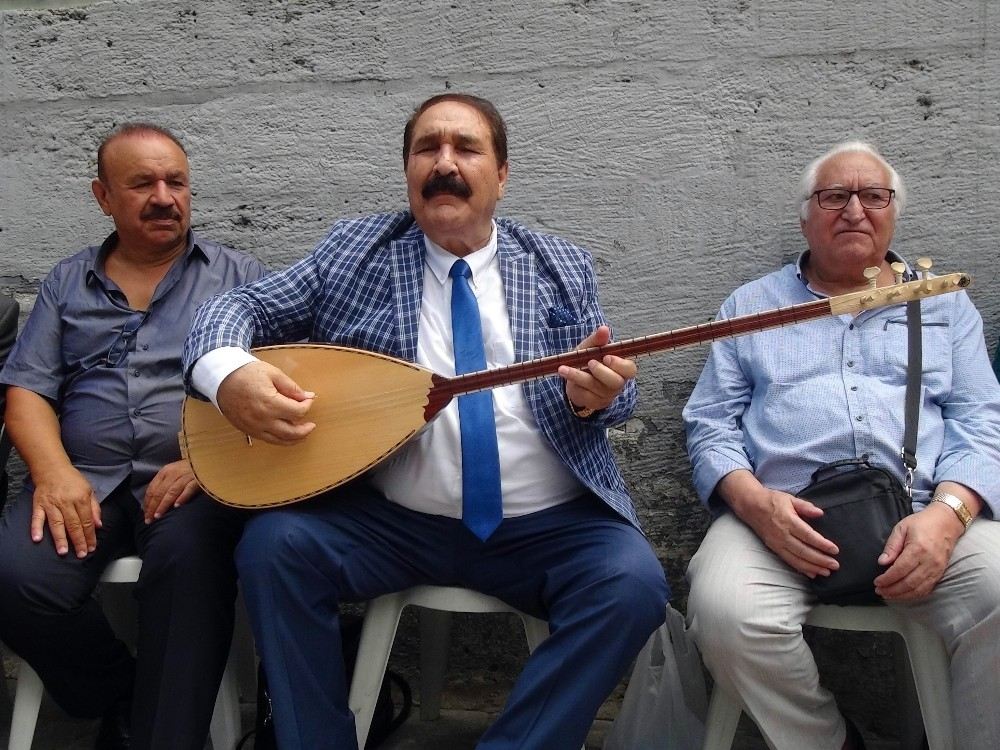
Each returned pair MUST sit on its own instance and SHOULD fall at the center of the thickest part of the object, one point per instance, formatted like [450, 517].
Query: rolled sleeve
[713, 466]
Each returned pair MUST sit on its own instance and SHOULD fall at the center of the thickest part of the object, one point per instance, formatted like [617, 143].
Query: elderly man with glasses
[771, 408]
[93, 407]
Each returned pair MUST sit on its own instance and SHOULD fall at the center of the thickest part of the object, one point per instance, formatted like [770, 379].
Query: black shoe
[854, 739]
[116, 728]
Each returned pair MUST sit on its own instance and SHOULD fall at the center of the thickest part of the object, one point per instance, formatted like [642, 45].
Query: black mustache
[161, 213]
[445, 183]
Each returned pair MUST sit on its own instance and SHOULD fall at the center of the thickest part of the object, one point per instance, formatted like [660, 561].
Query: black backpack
[385, 720]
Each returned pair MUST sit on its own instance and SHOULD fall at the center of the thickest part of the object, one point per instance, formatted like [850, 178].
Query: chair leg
[723, 717]
[246, 657]
[27, 702]
[435, 639]
[535, 631]
[226, 722]
[381, 621]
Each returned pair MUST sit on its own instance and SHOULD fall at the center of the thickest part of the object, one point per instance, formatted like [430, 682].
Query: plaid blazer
[362, 287]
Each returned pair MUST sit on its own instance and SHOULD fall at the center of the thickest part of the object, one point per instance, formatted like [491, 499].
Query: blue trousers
[580, 566]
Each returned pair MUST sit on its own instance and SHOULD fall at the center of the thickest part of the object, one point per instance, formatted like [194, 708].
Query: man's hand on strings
[596, 385]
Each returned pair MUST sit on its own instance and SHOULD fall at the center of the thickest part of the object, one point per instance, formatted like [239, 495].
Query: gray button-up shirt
[113, 374]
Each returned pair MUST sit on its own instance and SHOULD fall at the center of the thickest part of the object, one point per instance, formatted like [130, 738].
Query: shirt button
[850, 363]
[851, 327]
[854, 388]
[137, 412]
[135, 373]
[145, 347]
[859, 418]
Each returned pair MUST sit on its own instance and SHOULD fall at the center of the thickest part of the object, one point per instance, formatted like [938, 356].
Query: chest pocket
[559, 339]
[889, 342]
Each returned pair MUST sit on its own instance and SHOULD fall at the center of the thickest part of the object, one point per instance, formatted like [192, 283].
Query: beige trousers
[746, 610]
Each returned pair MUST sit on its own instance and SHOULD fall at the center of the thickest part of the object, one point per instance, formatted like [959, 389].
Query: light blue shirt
[783, 402]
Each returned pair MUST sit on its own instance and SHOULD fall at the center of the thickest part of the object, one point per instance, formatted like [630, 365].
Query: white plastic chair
[379, 631]
[225, 729]
[927, 669]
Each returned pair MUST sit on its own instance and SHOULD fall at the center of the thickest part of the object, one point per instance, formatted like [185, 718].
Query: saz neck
[445, 388]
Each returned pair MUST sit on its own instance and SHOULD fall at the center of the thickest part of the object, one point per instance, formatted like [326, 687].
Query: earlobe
[502, 178]
[101, 194]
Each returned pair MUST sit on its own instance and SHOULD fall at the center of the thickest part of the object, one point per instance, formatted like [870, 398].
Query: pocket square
[561, 316]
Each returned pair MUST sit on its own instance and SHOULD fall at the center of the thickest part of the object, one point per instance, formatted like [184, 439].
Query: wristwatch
[960, 508]
[581, 412]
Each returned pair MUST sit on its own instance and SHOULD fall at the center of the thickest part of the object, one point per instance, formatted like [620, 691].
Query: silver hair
[808, 183]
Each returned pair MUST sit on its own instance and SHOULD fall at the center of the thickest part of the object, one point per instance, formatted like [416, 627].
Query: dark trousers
[580, 566]
[185, 596]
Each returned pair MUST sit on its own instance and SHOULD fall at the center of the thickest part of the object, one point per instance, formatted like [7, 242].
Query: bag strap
[914, 370]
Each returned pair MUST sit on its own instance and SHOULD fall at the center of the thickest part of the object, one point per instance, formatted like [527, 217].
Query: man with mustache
[771, 408]
[93, 407]
[515, 494]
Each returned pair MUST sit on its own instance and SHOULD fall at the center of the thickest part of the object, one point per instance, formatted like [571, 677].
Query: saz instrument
[368, 405]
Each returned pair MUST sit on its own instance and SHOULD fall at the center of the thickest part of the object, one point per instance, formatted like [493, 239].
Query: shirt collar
[892, 256]
[440, 261]
[193, 250]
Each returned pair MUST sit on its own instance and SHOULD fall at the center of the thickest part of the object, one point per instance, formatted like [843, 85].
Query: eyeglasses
[119, 350]
[834, 199]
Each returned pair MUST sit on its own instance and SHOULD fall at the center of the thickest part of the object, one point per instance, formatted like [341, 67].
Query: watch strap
[960, 508]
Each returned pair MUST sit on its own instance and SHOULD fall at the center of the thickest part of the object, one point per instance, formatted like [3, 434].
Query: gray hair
[808, 183]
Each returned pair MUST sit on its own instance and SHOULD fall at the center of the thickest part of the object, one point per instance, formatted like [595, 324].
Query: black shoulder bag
[862, 502]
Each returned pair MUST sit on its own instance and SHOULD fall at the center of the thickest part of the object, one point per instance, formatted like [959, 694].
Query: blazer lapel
[407, 258]
[517, 268]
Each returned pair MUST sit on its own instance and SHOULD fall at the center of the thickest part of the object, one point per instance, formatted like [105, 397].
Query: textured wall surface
[665, 136]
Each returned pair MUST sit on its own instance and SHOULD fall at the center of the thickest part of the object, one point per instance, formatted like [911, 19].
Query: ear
[101, 193]
[503, 173]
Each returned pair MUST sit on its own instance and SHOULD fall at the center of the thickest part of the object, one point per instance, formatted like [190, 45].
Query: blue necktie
[482, 505]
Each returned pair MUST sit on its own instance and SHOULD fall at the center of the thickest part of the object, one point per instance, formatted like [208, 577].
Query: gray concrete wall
[665, 136]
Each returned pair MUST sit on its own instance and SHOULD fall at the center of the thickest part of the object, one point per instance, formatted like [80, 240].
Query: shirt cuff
[979, 475]
[713, 466]
[215, 366]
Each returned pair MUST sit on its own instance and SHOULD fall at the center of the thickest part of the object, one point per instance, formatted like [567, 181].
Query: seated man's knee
[25, 587]
[639, 586]
[275, 539]
[193, 543]
[716, 618]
